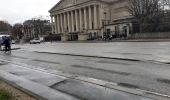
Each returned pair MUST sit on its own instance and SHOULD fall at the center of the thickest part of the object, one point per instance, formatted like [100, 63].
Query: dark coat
[6, 42]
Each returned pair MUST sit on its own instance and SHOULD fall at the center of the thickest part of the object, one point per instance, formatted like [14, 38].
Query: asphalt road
[152, 76]
[145, 51]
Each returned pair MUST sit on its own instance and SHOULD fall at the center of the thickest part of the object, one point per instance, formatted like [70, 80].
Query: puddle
[111, 62]
[44, 61]
[128, 85]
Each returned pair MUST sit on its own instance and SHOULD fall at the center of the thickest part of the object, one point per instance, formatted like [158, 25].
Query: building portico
[84, 18]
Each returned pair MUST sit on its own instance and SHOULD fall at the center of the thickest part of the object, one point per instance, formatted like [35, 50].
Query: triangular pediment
[66, 3]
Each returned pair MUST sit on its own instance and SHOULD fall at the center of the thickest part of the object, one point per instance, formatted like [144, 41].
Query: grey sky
[17, 11]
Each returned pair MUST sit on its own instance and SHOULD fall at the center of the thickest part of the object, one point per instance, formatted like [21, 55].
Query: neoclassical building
[90, 19]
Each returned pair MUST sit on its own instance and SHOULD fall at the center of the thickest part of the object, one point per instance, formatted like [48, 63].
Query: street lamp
[105, 33]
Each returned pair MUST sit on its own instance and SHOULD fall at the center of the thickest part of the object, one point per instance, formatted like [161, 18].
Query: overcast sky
[17, 11]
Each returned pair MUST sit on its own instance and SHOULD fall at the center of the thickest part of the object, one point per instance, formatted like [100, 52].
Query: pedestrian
[0, 46]
[7, 44]
[1, 41]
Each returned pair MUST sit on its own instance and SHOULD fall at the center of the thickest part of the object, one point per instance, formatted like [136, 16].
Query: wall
[119, 10]
[150, 35]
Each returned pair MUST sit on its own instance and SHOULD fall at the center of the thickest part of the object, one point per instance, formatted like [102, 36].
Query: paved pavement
[109, 73]
[152, 73]
[49, 86]
[145, 51]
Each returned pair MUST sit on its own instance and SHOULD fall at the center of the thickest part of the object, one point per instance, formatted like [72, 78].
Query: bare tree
[144, 10]
[5, 26]
[36, 27]
[17, 31]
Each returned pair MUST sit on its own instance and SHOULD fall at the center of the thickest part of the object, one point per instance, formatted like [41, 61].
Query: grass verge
[5, 95]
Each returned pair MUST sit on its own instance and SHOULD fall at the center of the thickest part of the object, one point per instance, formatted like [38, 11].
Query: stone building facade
[90, 19]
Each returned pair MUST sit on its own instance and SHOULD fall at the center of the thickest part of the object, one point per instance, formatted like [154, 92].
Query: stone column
[58, 28]
[95, 17]
[85, 18]
[77, 24]
[52, 24]
[68, 18]
[58, 24]
[72, 19]
[101, 17]
[61, 18]
[90, 17]
[55, 24]
[80, 17]
[65, 22]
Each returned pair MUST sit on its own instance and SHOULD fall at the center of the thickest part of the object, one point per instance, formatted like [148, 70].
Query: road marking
[154, 93]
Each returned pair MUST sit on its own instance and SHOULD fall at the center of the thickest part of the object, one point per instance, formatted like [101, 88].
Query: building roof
[68, 3]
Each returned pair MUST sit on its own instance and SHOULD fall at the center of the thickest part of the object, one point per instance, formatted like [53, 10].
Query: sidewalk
[118, 40]
[58, 86]
[133, 51]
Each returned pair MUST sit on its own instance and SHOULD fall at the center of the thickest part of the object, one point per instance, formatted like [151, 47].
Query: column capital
[51, 15]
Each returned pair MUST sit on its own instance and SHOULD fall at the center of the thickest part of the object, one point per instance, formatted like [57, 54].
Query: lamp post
[105, 33]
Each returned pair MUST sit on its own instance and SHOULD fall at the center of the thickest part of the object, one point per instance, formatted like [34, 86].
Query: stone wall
[119, 10]
[158, 35]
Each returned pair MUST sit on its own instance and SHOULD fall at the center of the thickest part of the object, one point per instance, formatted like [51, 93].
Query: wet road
[152, 76]
[145, 51]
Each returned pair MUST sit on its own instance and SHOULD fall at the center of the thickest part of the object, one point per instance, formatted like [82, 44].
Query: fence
[150, 35]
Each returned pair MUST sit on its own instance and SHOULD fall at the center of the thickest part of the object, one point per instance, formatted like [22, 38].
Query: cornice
[76, 5]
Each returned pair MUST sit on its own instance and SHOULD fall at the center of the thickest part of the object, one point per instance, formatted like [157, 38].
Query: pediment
[66, 3]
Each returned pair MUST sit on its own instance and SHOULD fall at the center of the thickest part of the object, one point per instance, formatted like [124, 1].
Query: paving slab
[87, 91]
[35, 88]
[30, 74]
[49, 81]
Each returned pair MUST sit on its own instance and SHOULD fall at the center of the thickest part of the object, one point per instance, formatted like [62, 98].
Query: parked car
[13, 41]
[35, 41]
